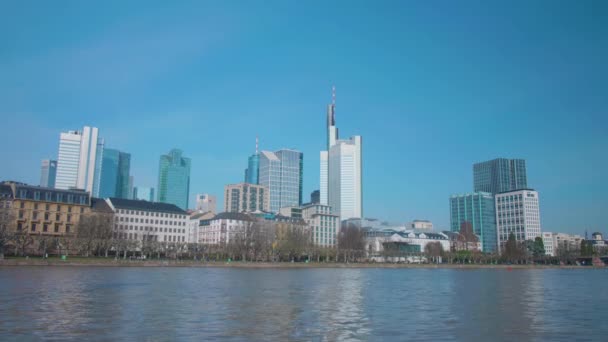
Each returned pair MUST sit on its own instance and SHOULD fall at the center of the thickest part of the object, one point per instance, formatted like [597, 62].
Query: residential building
[460, 241]
[115, 169]
[478, 209]
[281, 173]
[421, 224]
[549, 243]
[45, 211]
[148, 221]
[223, 228]
[315, 197]
[324, 225]
[174, 179]
[245, 197]
[206, 202]
[341, 171]
[143, 193]
[561, 244]
[193, 233]
[500, 175]
[48, 172]
[517, 212]
[79, 160]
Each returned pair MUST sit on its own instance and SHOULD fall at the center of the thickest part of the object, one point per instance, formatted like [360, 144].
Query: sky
[432, 86]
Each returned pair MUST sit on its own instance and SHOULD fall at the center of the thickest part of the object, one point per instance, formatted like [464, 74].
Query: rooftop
[121, 203]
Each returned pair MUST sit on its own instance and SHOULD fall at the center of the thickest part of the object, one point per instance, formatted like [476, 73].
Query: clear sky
[432, 86]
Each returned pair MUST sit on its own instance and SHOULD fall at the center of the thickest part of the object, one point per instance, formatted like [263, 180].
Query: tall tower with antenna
[252, 172]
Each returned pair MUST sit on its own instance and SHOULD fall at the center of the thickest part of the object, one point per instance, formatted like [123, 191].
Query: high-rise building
[323, 224]
[79, 160]
[479, 211]
[48, 172]
[253, 167]
[245, 197]
[174, 179]
[517, 212]
[131, 188]
[206, 202]
[281, 173]
[115, 169]
[500, 175]
[143, 193]
[315, 197]
[341, 172]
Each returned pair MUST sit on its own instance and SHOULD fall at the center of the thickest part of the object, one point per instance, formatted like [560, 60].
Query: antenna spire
[256, 144]
[333, 95]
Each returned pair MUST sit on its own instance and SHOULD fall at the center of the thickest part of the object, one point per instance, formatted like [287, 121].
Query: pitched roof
[100, 205]
[232, 216]
[121, 203]
[204, 215]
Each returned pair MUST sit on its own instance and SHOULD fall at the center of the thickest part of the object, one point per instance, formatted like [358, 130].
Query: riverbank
[102, 262]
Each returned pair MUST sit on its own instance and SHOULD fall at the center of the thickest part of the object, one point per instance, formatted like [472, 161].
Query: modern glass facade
[252, 171]
[48, 172]
[281, 173]
[477, 209]
[174, 179]
[144, 194]
[115, 169]
[500, 175]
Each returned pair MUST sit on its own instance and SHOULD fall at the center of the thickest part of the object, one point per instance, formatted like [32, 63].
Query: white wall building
[142, 220]
[517, 212]
[222, 228]
[79, 160]
[376, 238]
[549, 243]
[194, 223]
[421, 224]
[206, 202]
[324, 225]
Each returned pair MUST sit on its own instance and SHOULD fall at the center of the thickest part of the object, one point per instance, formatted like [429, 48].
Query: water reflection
[311, 304]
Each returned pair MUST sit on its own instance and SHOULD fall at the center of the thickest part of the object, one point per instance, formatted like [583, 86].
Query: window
[82, 210]
[45, 228]
[22, 205]
[33, 227]
[56, 228]
[57, 217]
[69, 209]
[67, 228]
[35, 215]
[19, 226]
[47, 207]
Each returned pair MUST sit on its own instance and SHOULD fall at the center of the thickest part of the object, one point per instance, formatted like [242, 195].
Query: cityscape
[303, 170]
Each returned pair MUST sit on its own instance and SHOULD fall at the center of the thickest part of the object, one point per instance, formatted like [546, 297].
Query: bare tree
[351, 243]
[7, 223]
[434, 250]
[93, 228]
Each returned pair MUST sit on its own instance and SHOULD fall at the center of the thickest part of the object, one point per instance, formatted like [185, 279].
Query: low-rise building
[412, 241]
[223, 228]
[549, 243]
[194, 225]
[324, 225]
[421, 224]
[148, 221]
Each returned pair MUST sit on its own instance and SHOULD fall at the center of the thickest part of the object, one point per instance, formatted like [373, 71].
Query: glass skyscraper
[477, 209]
[281, 173]
[174, 179]
[500, 175]
[48, 172]
[115, 169]
[252, 171]
[143, 193]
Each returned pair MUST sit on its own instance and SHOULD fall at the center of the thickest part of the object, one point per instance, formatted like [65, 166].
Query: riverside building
[479, 210]
[324, 225]
[174, 179]
[245, 197]
[517, 212]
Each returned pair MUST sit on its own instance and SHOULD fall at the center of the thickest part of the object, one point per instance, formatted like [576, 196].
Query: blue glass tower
[115, 169]
[478, 210]
[500, 175]
[174, 179]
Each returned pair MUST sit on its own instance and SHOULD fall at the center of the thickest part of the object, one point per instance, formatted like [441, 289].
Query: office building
[324, 225]
[206, 203]
[174, 179]
[517, 212]
[48, 172]
[500, 175]
[340, 171]
[148, 221]
[281, 173]
[143, 193]
[115, 169]
[245, 197]
[421, 224]
[315, 197]
[79, 160]
[477, 209]
[253, 166]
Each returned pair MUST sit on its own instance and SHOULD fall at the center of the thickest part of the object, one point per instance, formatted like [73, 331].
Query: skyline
[505, 93]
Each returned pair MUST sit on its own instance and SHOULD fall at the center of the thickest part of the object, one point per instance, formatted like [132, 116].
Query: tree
[93, 230]
[7, 222]
[586, 248]
[434, 250]
[351, 242]
[538, 249]
[511, 252]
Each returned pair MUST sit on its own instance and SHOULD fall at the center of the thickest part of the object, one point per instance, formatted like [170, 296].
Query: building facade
[115, 170]
[193, 233]
[174, 179]
[48, 173]
[378, 241]
[223, 228]
[206, 202]
[324, 225]
[479, 210]
[143, 193]
[46, 211]
[421, 224]
[148, 221]
[245, 197]
[517, 212]
[281, 173]
[79, 160]
[500, 175]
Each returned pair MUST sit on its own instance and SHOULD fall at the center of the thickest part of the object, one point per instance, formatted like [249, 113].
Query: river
[202, 304]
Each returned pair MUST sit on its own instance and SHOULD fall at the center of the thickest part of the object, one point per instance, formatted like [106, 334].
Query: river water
[202, 304]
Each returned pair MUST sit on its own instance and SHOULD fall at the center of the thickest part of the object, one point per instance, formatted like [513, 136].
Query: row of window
[45, 228]
[53, 197]
[148, 213]
[47, 207]
[47, 216]
[150, 229]
[151, 221]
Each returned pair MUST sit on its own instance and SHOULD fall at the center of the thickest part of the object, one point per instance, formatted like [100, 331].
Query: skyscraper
[341, 172]
[79, 160]
[476, 209]
[48, 172]
[245, 197]
[253, 166]
[205, 203]
[281, 173]
[143, 193]
[174, 179]
[500, 175]
[115, 169]
[517, 212]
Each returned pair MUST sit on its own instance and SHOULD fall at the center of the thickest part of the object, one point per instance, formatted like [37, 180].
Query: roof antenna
[256, 144]
[333, 95]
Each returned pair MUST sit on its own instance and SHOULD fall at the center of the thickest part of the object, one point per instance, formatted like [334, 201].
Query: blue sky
[432, 86]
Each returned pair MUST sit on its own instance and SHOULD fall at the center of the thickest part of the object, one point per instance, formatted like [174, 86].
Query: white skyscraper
[79, 160]
[517, 212]
[341, 172]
